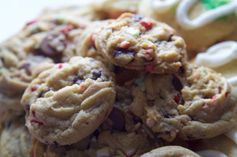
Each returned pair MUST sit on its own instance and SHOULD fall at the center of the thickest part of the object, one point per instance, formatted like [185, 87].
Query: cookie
[222, 58]
[15, 76]
[170, 151]
[155, 101]
[52, 37]
[197, 104]
[46, 40]
[121, 134]
[141, 43]
[198, 22]
[106, 144]
[209, 102]
[69, 101]
[15, 140]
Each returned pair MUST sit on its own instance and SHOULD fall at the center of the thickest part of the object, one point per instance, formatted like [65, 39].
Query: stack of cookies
[77, 83]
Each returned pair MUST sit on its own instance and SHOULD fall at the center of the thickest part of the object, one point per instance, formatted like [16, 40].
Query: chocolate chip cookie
[15, 140]
[196, 104]
[141, 43]
[69, 101]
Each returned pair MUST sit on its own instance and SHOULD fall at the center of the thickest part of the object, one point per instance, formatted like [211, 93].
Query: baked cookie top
[69, 101]
[141, 43]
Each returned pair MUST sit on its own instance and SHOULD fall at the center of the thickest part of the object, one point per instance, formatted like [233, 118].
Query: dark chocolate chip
[55, 143]
[77, 80]
[117, 117]
[117, 69]
[177, 83]
[136, 119]
[96, 74]
[2, 60]
[53, 45]
[27, 108]
[8, 124]
[26, 67]
[170, 38]
[182, 70]
[119, 52]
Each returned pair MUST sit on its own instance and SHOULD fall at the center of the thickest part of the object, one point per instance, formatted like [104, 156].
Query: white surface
[15, 13]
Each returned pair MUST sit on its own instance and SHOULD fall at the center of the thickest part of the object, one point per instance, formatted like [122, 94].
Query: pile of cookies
[105, 81]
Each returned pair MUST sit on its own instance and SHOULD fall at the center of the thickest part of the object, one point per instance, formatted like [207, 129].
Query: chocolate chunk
[119, 52]
[27, 108]
[77, 80]
[177, 83]
[26, 67]
[117, 117]
[96, 74]
[53, 45]
[170, 38]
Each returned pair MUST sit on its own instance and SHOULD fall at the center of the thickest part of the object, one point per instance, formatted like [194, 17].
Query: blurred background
[15, 13]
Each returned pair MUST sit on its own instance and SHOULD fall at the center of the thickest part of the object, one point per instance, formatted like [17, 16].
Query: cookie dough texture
[209, 102]
[15, 140]
[171, 151]
[69, 101]
[15, 76]
[41, 42]
[106, 145]
[141, 43]
[120, 135]
[195, 105]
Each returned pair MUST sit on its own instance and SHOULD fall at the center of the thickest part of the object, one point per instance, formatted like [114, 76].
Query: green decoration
[212, 4]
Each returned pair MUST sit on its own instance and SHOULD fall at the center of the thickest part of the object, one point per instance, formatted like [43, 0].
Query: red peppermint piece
[124, 45]
[226, 94]
[36, 121]
[149, 54]
[34, 88]
[60, 66]
[147, 24]
[177, 98]
[67, 29]
[150, 68]
[92, 39]
[214, 98]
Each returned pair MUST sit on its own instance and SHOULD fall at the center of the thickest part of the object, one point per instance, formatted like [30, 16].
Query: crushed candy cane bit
[214, 98]
[124, 45]
[92, 39]
[147, 24]
[60, 66]
[36, 121]
[67, 29]
[34, 88]
[227, 94]
[177, 98]
[148, 54]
